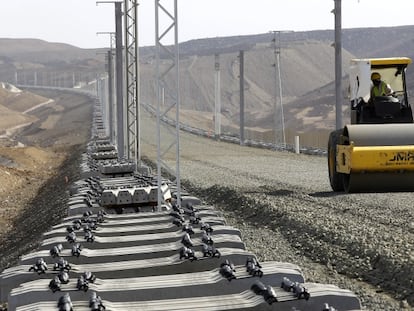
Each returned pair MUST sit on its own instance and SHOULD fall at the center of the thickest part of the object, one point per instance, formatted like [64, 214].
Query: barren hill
[305, 66]
[13, 106]
[307, 73]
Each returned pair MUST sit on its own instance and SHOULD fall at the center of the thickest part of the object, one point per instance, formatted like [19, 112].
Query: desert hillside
[307, 76]
[14, 107]
[306, 67]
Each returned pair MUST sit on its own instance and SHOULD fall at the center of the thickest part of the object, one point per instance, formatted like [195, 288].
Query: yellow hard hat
[375, 76]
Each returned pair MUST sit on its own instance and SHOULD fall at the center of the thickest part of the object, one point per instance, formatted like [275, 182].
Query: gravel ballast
[283, 204]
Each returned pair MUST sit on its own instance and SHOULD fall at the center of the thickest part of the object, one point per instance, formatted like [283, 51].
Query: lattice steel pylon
[132, 81]
[166, 22]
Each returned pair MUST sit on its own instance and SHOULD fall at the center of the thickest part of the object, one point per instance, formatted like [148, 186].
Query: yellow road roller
[376, 151]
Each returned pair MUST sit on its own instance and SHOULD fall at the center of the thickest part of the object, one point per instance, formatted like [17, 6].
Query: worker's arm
[388, 90]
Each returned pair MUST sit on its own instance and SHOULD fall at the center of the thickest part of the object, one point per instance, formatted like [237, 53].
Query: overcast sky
[77, 21]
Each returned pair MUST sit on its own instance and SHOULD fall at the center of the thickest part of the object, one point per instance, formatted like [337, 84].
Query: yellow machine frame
[356, 159]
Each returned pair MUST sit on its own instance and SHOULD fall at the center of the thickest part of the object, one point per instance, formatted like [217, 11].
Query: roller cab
[376, 151]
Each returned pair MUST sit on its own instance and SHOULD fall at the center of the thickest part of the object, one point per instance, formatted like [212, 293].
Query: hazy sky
[77, 21]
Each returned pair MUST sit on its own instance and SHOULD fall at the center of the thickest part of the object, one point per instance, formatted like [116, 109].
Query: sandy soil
[25, 172]
[36, 165]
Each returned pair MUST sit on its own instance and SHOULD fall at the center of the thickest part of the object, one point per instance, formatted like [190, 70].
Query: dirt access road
[37, 165]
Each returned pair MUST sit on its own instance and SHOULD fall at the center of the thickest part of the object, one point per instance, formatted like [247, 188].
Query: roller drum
[380, 135]
[397, 134]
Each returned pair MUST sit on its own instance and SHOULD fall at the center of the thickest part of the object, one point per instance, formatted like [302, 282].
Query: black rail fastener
[71, 237]
[267, 292]
[210, 251]
[70, 228]
[55, 284]
[269, 295]
[82, 284]
[63, 277]
[61, 265]
[177, 215]
[287, 284]
[176, 208]
[65, 303]
[77, 224]
[207, 239]
[258, 288]
[327, 307]
[76, 249]
[40, 266]
[177, 222]
[87, 275]
[87, 228]
[93, 225]
[187, 253]
[100, 216]
[89, 237]
[189, 209]
[86, 216]
[206, 227]
[228, 270]
[300, 291]
[189, 229]
[194, 220]
[56, 250]
[95, 303]
[186, 240]
[253, 267]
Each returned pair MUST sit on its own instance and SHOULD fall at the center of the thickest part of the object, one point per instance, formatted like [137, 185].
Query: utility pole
[338, 63]
[217, 98]
[110, 95]
[118, 78]
[241, 77]
[278, 86]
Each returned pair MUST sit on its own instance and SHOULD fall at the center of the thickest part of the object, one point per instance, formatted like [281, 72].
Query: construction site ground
[281, 202]
[38, 161]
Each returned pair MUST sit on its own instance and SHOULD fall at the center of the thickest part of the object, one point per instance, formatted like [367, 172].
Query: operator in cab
[379, 87]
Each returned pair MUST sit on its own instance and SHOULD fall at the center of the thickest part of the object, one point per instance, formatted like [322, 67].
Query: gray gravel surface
[286, 211]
